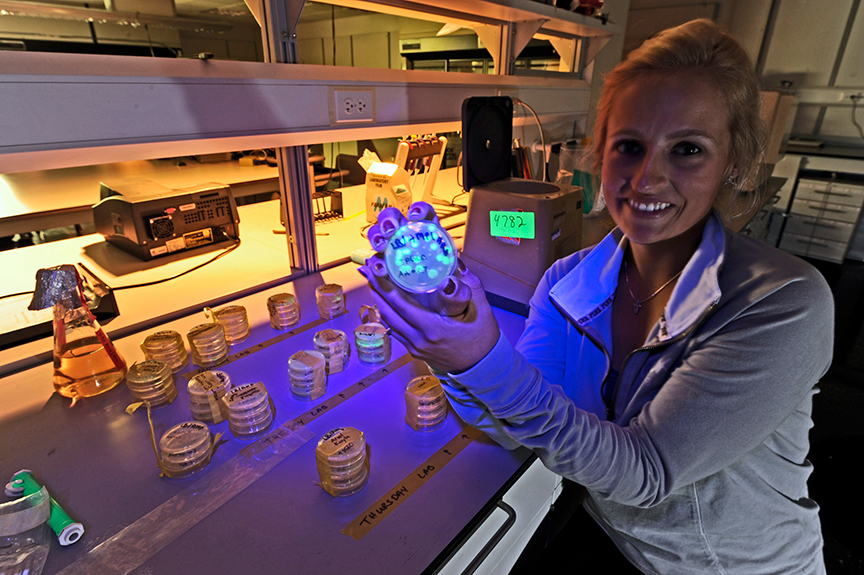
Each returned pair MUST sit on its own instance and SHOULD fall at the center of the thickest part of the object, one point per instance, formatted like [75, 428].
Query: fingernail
[363, 272]
[450, 287]
[378, 242]
[378, 269]
[388, 226]
[414, 211]
[460, 264]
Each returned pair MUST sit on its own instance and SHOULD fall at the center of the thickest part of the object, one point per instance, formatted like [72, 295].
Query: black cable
[8, 295]
[333, 29]
[457, 196]
[854, 110]
[457, 209]
[154, 282]
[175, 276]
[149, 41]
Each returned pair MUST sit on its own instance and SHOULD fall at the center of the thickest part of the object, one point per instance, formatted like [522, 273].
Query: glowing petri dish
[420, 256]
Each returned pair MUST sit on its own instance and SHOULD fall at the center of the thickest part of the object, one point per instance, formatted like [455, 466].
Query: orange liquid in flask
[83, 368]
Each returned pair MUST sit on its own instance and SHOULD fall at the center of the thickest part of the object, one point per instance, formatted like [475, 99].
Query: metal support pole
[278, 19]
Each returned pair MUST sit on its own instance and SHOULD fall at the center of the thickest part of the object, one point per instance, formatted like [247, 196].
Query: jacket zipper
[597, 344]
[610, 410]
[680, 336]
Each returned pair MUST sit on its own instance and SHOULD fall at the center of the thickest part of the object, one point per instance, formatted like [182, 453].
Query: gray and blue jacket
[699, 464]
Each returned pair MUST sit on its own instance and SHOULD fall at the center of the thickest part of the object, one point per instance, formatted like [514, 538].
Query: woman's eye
[686, 149]
[627, 147]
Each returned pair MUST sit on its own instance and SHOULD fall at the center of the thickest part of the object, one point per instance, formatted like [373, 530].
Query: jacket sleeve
[732, 390]
[500, 367]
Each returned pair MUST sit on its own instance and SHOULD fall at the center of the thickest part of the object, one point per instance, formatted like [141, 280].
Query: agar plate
[420, 256]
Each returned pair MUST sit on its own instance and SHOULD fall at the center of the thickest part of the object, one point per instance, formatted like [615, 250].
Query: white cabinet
[824, 214]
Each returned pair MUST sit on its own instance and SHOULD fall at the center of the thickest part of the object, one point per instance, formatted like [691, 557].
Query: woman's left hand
[451, 328]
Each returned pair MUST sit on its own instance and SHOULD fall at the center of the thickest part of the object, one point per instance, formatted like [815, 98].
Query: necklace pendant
[637, 305]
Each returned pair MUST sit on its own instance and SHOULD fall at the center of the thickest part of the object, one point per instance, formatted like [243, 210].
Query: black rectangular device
[149, 220]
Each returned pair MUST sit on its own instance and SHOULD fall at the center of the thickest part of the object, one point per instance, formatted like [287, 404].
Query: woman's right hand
[451, 328]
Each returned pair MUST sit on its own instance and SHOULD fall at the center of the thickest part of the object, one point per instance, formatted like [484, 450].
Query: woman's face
[665, 156]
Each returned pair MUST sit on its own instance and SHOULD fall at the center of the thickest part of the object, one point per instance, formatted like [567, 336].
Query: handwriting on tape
[376, 513]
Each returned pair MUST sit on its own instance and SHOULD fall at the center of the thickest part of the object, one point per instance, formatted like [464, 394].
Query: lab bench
[257, 507]
[46, 199]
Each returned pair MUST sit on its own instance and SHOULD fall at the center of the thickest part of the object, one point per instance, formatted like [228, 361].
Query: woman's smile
[648, 208]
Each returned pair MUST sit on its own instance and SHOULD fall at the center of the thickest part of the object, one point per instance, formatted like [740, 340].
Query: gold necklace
[637, 304]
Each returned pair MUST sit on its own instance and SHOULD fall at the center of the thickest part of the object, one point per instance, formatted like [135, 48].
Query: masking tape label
[326, 405]
[263, 345]
[376, 513]
[138, 542]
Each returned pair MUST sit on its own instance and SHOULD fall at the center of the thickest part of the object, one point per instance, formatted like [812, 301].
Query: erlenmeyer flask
[86, 363]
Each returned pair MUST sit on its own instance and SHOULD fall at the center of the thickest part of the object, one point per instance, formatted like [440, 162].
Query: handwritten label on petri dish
[420, 256]
[511, 225]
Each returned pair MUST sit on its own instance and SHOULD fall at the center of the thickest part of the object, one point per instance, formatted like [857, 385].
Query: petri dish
[425, 403]
[185, 448]
[420, 256]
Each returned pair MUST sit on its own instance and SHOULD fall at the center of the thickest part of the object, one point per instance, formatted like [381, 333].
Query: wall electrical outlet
[353, 105]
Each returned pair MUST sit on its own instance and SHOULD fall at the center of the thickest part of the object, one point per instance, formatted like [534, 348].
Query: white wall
[817, 45]
[363, 41]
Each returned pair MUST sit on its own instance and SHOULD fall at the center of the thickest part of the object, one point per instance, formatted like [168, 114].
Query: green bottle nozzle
[67, 529]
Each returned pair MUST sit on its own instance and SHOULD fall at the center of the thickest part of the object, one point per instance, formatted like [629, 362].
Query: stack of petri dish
[333, 345]
[205, 392]
[341, 461]
[308, 374]
[235, 321]
[185, 448]
[168, 346]
[207, 343]
[152, 381]
[425, 403]
[372, 343]
[330, 300]
[284, 310]
[249, 410]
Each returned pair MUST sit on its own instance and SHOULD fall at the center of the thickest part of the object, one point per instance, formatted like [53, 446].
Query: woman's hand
[451, 328]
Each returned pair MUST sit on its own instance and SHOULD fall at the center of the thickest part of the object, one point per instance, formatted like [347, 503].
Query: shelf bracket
[506, 41]
[569, 50]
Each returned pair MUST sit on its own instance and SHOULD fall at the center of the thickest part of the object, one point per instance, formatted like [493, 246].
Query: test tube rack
[421, 157]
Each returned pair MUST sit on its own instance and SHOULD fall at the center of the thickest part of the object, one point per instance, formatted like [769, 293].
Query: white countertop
[261, 261]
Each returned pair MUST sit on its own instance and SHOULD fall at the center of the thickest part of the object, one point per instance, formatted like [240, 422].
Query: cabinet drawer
[837, 212]
[814, 248]
[844, 194]
[819, 228]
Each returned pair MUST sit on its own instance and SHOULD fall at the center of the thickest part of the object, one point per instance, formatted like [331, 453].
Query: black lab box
[149, 220]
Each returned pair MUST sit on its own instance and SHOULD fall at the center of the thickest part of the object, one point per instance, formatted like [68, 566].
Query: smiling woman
[665, 370]
[665, 157]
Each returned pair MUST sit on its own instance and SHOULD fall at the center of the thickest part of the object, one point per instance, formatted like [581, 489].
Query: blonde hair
[698, 47]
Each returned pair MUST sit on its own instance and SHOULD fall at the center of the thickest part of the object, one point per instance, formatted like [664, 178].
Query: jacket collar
[595, 278]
